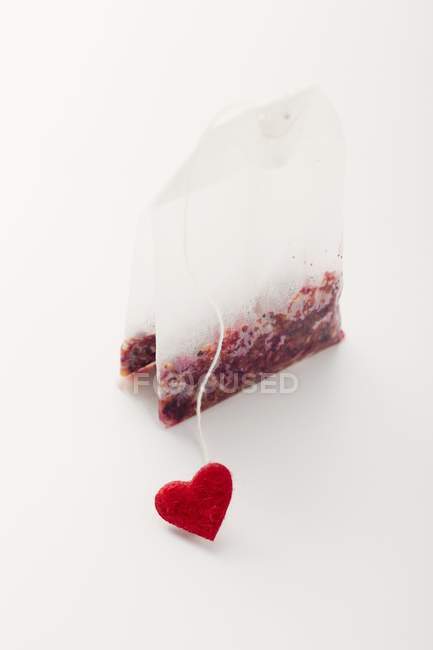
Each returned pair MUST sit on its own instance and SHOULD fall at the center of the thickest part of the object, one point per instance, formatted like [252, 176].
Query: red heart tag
[198, 506]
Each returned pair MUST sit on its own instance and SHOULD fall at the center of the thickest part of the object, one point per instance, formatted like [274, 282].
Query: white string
[206, 378]
[202, 387]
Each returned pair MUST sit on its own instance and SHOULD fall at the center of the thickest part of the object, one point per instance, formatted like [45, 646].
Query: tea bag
[244, 242]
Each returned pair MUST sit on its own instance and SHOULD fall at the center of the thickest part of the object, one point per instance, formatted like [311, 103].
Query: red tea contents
[250, 351]
[137, 354]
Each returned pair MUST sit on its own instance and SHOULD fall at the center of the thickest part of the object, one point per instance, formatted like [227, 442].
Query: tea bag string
[203, 383]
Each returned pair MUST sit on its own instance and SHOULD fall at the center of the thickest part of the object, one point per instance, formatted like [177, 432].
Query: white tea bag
[248, 234]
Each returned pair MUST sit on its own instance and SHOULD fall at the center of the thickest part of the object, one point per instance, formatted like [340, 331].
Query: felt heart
[198, 506]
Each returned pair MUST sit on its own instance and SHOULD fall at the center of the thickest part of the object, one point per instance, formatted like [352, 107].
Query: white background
[328, 540]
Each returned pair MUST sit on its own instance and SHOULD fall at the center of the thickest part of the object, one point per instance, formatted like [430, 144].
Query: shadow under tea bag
[248, 232]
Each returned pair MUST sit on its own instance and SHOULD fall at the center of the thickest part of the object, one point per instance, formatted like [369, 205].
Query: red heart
[198, 506]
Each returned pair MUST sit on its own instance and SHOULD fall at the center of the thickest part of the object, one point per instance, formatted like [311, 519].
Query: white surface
[328, 541]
